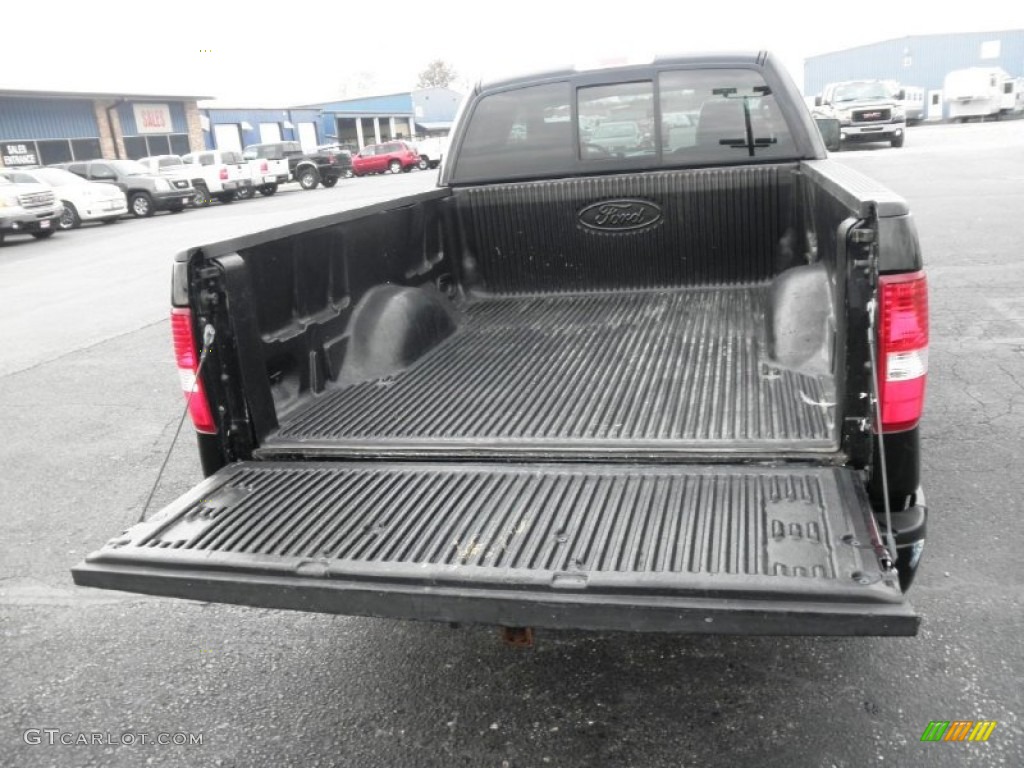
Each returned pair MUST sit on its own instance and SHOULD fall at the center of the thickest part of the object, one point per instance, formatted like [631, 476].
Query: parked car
[324, 166]
[617, 137]
[82, 200]
[567, 392]
[268, 166]
[147, 192]
[169, 166]
[389, 157]
[218, 175]
[27, 206]
[867, 110]
[431, 151]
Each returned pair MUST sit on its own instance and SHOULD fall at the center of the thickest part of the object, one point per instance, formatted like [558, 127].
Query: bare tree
[438, 74]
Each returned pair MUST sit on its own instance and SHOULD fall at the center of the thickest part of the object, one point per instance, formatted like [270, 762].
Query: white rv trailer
[975, 92]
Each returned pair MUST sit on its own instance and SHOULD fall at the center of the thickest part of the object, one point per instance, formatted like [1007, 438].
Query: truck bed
[683, 367]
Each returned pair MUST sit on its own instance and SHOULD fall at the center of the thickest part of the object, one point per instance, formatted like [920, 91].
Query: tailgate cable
[890, 541]
[208, 335]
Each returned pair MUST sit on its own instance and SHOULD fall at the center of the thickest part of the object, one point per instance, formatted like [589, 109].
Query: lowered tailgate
[723, 549]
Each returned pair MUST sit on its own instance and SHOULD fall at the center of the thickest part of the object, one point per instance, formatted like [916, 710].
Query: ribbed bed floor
[676, 368]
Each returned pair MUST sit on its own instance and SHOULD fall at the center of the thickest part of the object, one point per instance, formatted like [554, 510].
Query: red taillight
[264, 167]
[903, 348]
[188, 363]
[224, 174]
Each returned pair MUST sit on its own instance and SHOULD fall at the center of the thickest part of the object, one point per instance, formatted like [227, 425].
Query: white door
[933, 109]
[307, 136]
[227, 137]
[270, 132]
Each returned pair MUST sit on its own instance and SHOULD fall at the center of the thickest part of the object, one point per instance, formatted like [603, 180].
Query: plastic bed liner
[681, 369]
[752, 550]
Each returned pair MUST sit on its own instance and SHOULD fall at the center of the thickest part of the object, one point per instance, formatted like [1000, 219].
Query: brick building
[45, 127]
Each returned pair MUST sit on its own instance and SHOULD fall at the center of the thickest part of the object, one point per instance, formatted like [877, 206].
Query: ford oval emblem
[620, 216]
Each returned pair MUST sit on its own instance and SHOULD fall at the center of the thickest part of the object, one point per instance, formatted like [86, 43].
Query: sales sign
[18, 154]
[152, 118]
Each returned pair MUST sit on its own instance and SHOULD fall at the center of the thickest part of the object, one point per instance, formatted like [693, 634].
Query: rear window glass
[720, 116]
[232, 158]
[525, 132]
[684, 118]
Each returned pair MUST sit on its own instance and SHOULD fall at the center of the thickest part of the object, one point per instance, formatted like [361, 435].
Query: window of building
[179, 144]
[86, 149]
[149, 146]
[991, 49]
[51, 152]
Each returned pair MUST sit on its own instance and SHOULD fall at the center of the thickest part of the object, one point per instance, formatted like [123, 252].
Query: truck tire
[394, 167]
[226, 197]
[424, 163]
[308, 178]
[201, 198]
[245, 193]
[898, 140]
[268, 189]
[141, 205]
[70, 218]
[329, 181]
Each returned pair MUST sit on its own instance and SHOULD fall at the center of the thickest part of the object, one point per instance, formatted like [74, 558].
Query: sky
[305, 51]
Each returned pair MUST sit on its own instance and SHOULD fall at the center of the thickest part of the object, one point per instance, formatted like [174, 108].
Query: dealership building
[45, 127]
[352, 122]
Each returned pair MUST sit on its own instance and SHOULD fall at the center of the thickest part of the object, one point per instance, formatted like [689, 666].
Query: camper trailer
[976, 92]
[913, 102]
[1012, 100]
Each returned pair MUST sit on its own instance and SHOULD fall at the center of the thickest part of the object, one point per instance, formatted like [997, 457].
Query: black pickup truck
[287, 162]
[672, 385]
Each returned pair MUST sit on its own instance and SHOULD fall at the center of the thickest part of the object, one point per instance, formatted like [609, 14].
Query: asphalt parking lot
[90, 400]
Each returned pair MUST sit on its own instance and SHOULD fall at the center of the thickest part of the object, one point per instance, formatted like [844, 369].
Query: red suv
[392, 156]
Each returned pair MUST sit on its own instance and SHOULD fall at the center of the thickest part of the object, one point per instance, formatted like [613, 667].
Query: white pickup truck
[218, 174]
[431, 151]
[268, 166]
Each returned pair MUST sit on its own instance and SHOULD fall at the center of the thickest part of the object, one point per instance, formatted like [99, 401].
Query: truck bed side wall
[369, 294]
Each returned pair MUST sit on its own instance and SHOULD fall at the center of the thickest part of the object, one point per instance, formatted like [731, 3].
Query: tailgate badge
[620, 216]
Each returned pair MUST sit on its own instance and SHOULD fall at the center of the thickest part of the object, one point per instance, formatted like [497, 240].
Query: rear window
[232, 158]
[682, 118]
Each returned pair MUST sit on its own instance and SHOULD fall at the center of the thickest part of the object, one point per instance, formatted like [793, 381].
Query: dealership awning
[441, 126]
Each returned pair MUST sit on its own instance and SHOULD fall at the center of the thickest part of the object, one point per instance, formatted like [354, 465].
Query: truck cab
[867, 111]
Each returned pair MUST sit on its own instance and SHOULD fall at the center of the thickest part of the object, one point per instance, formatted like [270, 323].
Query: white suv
[27, 207]
[82, 200]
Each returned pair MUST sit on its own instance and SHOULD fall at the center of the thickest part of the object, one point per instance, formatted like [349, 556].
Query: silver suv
[30, 208]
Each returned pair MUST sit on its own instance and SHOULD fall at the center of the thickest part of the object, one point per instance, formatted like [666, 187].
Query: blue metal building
[435, 110]
[351, 122]
[236, 128]
[371, 120]
[921, 61]
[45, 127]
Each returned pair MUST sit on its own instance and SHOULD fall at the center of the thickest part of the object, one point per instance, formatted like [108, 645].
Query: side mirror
[829, 129]
[817, 101]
